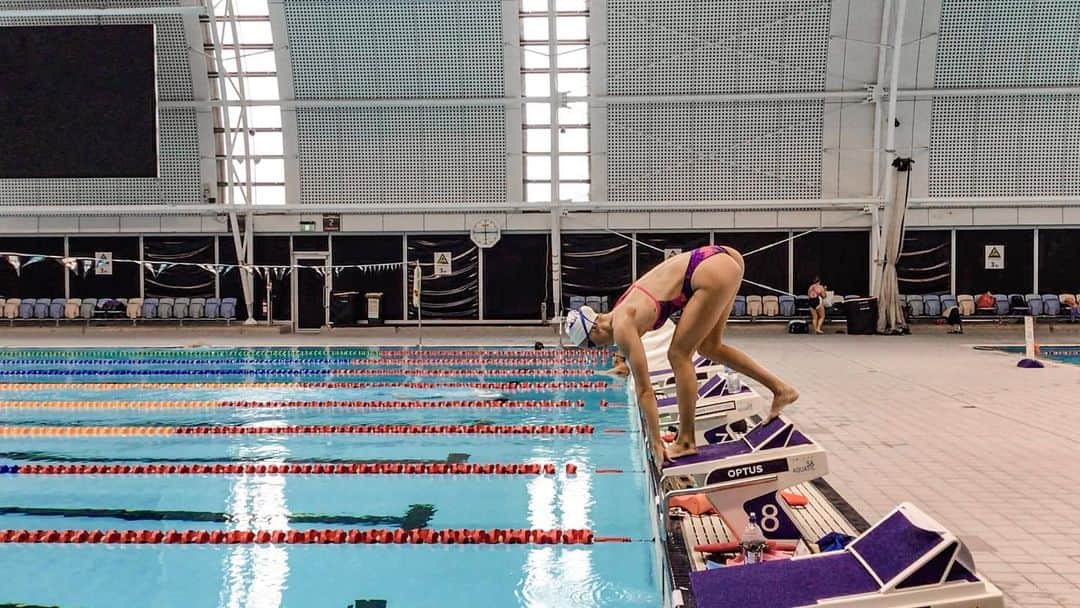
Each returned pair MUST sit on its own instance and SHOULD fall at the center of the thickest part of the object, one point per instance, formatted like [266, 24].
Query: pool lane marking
[416, 516]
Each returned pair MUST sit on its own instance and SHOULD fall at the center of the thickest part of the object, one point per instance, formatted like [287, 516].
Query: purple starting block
[906, 559]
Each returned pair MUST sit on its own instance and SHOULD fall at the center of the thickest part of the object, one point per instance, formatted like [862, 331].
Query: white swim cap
[578, 325]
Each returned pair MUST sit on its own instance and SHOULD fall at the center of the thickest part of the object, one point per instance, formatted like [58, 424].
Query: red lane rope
[483, 361]
[417, 404]
[507, 386]
[459, 373]
[425, 536]
[493, 352]
[377, 468]
[333, 429]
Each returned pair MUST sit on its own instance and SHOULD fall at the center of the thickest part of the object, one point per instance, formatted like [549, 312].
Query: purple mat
[713, 451]
[931, 572]
[761, 433]
[894, 544]
[782, 584]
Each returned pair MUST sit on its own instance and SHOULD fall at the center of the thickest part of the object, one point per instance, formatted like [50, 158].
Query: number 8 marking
[769, 520]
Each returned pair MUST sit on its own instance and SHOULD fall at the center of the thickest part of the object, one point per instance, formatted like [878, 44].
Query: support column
[952, 261]
[886, 5]
[890, 124]
[556, 267]
[1035, 263]
[875, 247]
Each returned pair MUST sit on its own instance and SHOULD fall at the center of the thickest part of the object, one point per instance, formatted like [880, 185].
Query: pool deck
[986, 448]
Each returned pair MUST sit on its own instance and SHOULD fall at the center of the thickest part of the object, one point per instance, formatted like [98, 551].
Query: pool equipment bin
[862, 316]
[374, 307]
[343, 307]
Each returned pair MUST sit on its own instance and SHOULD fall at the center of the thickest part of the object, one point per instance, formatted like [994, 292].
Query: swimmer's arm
[630, 343]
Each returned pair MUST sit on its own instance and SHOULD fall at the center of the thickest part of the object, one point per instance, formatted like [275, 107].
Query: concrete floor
[983, 446]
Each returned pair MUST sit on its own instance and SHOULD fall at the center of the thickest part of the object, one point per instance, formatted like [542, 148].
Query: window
[554, 70]
[248, 58]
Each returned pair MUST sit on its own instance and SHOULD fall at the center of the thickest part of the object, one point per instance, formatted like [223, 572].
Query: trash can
[374, 308]
[343, 308]
[862, 315]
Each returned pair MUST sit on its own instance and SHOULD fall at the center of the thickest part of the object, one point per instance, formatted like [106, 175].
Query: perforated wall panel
[1006, 146]
[705, 46]
[984, 43]
[405, 48]
[714, 151]
[178, 181]
[402, 155]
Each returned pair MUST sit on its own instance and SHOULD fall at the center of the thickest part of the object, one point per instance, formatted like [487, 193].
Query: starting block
[906, 560]
[663, 380]
[748, 474]
[716, 409]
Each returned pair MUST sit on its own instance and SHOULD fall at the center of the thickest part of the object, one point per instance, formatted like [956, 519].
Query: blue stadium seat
[787, 306]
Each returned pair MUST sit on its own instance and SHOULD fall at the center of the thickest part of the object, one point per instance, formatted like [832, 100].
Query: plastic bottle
[734, 382]
[752, 542]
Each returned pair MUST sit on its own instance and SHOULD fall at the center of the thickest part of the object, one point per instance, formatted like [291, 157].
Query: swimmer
[618, 368]
[703, 284]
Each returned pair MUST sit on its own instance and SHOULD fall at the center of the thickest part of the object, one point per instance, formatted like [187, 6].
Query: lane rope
[376, 468]
[311, 429]
[421, 536]
[506, 386]
[374, 405]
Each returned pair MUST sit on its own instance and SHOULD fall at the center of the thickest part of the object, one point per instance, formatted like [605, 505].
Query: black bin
[862, 316]
[343, 307]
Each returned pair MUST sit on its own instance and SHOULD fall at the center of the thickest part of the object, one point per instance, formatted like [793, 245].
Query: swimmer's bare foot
[659, 455]
[680, 448]
[782, 399]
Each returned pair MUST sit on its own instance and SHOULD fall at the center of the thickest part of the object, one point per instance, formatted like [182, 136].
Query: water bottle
[734, 383]
[752, 542]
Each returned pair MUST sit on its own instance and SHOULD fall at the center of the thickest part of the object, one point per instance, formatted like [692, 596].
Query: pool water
[1065, 354]
[611, 502]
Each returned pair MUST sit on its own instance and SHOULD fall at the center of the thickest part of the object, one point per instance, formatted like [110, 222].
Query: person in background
[1069, 301]
[817, 293]
[618, 367]
[952, 317]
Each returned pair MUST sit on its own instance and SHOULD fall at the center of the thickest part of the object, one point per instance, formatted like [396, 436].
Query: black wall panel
[925, 262]
[517, 277]
[43, 279]
[1059, 257]
[841, 259]
[179, 281]
[647, 257]
[124, 281]
[456, 296]
[371, 250]
[274, 251]
[768, 267]
[595, 265]
[972, 277]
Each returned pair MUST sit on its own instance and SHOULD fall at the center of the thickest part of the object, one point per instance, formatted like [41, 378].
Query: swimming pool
[346, 471]
[1065, 354]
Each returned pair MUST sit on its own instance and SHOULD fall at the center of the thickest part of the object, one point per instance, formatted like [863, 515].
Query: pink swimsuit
[665, 308]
